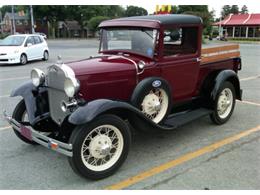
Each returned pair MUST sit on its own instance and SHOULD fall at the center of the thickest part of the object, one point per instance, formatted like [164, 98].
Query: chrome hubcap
[225, 102]
[102, 148]
[155, 105]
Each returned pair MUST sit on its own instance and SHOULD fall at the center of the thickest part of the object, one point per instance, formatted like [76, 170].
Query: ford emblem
[156, 83]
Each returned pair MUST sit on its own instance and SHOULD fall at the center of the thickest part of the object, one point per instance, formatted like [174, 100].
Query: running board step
[177, 120]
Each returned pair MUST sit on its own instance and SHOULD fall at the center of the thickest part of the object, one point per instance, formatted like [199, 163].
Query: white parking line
[16, 78]
[4, 96]
[250, 78]
[5, 128]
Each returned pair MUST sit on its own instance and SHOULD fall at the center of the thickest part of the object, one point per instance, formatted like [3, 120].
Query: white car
[19, 49]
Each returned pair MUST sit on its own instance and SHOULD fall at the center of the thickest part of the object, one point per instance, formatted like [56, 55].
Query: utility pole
[32, 20]
[13, 21]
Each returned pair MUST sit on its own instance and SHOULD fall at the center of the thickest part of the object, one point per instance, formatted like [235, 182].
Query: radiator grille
[55, 81]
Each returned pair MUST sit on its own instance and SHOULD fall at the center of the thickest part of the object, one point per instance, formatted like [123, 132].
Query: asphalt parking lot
[199, 155]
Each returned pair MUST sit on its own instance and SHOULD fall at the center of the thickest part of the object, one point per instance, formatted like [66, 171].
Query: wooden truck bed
[217, 53]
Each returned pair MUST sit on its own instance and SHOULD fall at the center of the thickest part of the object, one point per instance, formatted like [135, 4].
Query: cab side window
[29, 40]
[180, 41]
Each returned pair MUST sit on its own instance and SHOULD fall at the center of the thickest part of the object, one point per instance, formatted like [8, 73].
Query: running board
[177, 120]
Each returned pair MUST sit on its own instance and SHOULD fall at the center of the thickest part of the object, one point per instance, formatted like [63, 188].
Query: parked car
[42, 34]
[82, 109]
[21, 48]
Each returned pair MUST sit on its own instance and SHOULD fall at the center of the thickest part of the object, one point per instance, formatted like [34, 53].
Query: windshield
[12, 41]
[138, 40]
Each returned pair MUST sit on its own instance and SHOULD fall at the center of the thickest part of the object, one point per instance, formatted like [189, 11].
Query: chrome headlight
[37, 76]
[71, 86]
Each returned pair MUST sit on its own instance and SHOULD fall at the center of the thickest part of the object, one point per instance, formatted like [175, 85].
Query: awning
[240, 20]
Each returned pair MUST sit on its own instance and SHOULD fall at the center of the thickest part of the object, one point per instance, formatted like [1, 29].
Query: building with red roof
[240, 26]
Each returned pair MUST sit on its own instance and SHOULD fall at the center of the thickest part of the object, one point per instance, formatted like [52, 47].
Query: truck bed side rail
[218, 53]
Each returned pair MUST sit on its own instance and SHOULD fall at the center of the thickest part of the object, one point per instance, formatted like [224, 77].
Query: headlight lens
[71, 86]
[37, 76]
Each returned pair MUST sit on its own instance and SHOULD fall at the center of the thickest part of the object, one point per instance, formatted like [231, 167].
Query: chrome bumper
[39, 137]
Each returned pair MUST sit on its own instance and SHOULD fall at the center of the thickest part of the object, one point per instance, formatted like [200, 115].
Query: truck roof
[153, 21]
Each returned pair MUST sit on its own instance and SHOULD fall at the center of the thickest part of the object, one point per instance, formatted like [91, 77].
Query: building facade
[240, 26]
[22, 23]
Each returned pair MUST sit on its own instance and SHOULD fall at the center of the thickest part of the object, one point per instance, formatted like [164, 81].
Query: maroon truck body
[156, 81]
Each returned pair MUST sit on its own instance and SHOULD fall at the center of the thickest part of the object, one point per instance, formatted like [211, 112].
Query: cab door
[180, 60]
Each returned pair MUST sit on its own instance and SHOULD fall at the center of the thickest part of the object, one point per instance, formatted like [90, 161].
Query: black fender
[226, 75]
[90, 111]
[26, 91]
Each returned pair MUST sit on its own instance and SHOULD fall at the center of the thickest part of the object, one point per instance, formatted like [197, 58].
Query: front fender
[94, 108]
[23, 90]
[90, 111]
[226, 75]
[26, 91]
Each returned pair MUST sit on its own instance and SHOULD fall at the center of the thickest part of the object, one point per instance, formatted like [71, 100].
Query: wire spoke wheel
[155, 104]
[102, 147]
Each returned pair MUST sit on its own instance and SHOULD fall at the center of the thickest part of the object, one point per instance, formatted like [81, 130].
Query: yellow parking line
[171, 164]
[250, 78]
[4, 128]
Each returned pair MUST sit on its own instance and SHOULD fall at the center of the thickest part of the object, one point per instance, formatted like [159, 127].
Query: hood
[102, 64]
[8, 49]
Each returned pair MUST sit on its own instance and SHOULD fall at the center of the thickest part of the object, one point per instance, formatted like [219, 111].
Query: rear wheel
[100, 147]
[224, 104]
[21, 115]
[23, 59]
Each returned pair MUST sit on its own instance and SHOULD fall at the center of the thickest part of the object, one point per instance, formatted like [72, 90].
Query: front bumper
[39, 137]
[10, 59]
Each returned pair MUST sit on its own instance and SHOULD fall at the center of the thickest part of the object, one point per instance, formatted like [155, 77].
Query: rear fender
[226, 75]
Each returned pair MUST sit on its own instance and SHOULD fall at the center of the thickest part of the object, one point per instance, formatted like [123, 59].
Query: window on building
[243, 32]
[229, 31]
[179, 41]
[251, 32]
[18, 22]
[257, 31]
[237, 31]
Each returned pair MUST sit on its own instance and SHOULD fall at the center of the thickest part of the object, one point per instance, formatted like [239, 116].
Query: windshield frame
[13, 36]
[118, 51]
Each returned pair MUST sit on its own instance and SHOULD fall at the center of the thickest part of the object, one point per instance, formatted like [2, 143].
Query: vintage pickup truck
[151, 74]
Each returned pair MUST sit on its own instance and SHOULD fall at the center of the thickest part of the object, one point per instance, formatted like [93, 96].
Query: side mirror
[28, 45]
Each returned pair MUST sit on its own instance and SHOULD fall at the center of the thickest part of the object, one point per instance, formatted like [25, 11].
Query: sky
[149, 5]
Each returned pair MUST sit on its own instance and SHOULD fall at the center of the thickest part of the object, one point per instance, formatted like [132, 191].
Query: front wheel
[23, 59]
[100, 147]
[224, 104]
[21, 115]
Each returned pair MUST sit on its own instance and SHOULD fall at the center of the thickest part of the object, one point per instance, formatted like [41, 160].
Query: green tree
[135, 11]
[244, 10]
[234, 9]
[201, 11]
[95, 21]
[226, 10]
